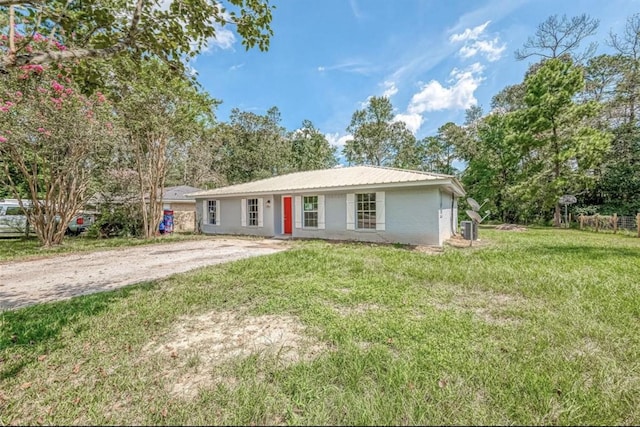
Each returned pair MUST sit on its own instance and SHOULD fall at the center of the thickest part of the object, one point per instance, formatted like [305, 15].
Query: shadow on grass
[41, 325]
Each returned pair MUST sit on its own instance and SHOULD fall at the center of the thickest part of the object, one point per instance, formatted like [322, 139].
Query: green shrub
[118, 221]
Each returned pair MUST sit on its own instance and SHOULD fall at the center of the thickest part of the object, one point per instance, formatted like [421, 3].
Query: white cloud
[364, 104]
[390, 88]
[469, 33]
[476, 42]
[459, 95]
[236, 67]
[336, 140]
[412, 120]
[356, 10]
[191, 71]
[224, 39]
[490, 48]
[349, 66]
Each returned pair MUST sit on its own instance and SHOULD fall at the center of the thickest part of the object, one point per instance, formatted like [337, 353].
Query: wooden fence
[610, 222]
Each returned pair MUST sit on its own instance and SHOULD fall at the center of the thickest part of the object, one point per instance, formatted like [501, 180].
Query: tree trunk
[151, 165]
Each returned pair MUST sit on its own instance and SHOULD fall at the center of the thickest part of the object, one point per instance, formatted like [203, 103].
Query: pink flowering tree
[168, 29]
[49, 133]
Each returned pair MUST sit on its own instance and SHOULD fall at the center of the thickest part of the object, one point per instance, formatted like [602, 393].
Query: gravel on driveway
[61, 277]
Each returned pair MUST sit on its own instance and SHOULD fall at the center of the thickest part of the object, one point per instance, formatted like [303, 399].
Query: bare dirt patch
[195, 346]
[459, 242]
[429, 250]
[511, 227]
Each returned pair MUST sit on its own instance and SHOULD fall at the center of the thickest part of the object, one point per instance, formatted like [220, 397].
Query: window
[310, 209]
[366, 210]
[252, 212]
[212, 212]
[14, 210]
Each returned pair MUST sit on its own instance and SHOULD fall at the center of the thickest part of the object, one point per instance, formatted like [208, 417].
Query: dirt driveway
[60, 277]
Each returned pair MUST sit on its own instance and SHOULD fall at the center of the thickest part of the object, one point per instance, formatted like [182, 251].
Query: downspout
[453, 228]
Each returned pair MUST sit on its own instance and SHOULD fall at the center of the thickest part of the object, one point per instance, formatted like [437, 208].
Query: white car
[13, 222]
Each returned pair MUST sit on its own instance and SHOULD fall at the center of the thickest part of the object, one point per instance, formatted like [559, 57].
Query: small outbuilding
[183, 206]
[361, 203]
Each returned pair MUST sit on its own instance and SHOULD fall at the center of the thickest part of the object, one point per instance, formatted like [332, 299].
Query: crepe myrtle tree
[172, 30]
[160, 114]
[48, 134]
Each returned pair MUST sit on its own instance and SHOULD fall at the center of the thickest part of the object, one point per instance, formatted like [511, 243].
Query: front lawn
[535, 327]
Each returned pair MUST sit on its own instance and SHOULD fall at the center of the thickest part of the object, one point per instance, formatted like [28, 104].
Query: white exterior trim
[321, 212]
[351, 211]
[260, 212]
[380, 211]
[297, 211]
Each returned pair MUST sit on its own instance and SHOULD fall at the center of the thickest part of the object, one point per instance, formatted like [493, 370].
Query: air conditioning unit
[469, 230]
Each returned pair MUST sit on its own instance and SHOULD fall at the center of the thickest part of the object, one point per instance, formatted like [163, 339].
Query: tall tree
[439, 151]
[196, 163]
[556, 37]
[509, 99]
[310, 149]
[252, 146]
[378, 139]
[50, 136]
[556, 133]
[617, 78]
[493, 166]
[160, 112]
[628, 47]
[171, 30]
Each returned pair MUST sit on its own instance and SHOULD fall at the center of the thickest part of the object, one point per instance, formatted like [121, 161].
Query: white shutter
[260, 211]
[321, 212]
[380, 210]
[243, 212]
[351, 211]
[205, 212]
[297, 211]
[218, 212]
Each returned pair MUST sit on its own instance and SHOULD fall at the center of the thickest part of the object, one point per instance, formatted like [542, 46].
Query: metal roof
[339, 178]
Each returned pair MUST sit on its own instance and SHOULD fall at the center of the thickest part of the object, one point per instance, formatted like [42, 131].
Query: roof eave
[178, 200]
[451, 182]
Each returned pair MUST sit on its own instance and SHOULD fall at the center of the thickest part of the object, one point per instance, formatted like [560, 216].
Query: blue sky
[432, 58]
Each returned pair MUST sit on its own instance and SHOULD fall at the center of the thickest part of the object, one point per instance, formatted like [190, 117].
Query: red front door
[286, 201]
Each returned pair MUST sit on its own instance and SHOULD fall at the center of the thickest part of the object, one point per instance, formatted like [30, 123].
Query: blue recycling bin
[168, 221]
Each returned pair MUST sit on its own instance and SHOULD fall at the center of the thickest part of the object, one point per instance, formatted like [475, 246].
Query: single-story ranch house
[362, 203]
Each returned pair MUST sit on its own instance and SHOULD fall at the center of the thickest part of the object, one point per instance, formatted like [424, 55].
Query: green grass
[539, 327]
[13, 248]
